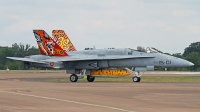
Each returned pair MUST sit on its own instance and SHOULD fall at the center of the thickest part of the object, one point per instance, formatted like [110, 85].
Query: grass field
[129, 79]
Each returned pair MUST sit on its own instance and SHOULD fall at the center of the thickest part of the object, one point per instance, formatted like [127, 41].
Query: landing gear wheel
[136, 79]
[73, 78]
[90, 78]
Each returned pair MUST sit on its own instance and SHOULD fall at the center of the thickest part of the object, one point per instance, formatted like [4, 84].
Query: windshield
[146, 49]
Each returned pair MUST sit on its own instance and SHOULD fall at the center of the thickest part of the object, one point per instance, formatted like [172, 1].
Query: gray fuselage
[149, 62]
[153, 59]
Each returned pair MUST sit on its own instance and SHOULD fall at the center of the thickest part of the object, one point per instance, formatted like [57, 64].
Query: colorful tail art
[47, 45]
[63, 40]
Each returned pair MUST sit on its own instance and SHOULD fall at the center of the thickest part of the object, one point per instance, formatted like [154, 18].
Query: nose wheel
[136, 79]
[137, 76]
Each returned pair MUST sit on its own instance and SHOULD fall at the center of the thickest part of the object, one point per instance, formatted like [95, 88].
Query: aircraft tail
[47, 45]
[63, 40]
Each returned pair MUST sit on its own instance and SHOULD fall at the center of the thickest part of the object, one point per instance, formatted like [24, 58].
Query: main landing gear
[74, 78]
[90, 78]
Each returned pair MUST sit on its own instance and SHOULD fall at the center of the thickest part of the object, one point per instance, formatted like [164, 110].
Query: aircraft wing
[25, 59]
[92, 57]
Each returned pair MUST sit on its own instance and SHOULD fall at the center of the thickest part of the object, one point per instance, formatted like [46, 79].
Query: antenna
[94, 47]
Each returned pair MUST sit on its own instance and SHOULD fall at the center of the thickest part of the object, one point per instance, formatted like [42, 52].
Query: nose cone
[182, 63]
[191, 64]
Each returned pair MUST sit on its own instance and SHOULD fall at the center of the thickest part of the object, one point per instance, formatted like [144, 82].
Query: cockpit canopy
[146, 49]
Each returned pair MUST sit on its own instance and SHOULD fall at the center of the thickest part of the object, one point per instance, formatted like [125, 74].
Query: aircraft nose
[182, 63]
[191, 64]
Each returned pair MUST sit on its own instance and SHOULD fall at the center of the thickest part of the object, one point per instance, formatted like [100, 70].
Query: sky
[168, 25]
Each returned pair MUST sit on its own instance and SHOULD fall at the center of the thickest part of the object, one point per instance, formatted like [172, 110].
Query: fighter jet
[98, 62]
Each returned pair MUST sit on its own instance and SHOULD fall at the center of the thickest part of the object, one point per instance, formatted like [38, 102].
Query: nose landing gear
[137, 76]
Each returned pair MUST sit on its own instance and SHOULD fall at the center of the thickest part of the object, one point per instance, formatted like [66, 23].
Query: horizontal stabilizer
[25, 59]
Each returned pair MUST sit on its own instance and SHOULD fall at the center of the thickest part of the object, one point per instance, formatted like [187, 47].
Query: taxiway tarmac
[31, 96]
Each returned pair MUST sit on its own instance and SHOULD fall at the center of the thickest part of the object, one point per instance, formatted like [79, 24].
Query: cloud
[107, 23]
[22, 26]
[192, 28]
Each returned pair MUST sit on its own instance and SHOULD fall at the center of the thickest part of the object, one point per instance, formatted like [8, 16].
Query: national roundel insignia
[51, 63]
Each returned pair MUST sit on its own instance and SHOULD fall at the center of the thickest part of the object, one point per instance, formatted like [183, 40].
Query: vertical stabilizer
[63, 40]
[47, 45]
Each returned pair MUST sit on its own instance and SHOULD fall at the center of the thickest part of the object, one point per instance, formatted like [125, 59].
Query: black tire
[73, 78]
[90, 78]
[139, 79]
[136, 79]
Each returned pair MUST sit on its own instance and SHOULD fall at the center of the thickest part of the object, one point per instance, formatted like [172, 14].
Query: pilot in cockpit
[146, 49]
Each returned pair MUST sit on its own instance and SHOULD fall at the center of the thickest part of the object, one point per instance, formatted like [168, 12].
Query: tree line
[17, 50]
[191, 53]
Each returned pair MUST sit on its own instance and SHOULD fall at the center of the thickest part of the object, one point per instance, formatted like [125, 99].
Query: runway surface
[32, 96]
